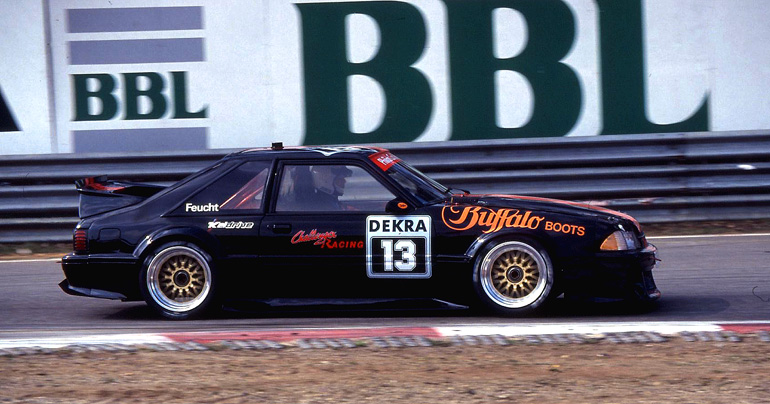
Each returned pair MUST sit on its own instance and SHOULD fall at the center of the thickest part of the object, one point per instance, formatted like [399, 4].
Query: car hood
[543, 205]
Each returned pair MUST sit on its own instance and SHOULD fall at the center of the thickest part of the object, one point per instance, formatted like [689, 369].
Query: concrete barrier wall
[90, 76]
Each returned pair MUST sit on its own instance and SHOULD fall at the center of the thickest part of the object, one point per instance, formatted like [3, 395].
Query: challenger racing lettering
[314, 236]
[210, 207]
[230, 225]
[579, 231]
[466, 218]
[326, 240]
[384, 160]
[343, 245]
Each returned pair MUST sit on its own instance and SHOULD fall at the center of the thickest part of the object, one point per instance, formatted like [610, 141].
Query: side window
[330, 188]
[240, 189]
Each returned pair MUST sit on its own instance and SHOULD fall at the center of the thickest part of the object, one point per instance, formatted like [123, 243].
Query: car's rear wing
[99, 195]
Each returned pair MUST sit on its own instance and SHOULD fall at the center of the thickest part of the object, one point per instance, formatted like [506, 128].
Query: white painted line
[30, 260]
[60, 342]
[708, 236]
[586, 328]
[738, 322]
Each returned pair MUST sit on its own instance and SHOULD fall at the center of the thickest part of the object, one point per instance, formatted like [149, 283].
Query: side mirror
[398, 206]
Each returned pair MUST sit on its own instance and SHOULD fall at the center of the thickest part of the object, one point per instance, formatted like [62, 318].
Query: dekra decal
[398, 246]
[397, 225]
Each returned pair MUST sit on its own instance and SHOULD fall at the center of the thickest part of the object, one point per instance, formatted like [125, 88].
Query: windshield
[419, 185]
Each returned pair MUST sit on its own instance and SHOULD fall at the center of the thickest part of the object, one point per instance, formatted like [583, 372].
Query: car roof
[308, 151]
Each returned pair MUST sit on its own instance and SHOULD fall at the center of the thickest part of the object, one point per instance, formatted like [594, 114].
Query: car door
[328, 233]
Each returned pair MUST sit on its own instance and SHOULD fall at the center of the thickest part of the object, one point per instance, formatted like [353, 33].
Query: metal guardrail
[656, 178]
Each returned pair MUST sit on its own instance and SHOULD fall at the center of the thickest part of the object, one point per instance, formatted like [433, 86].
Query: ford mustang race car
[343, 222]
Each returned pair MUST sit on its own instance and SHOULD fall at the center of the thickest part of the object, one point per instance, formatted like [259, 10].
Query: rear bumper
[106, 276]
[623, 275]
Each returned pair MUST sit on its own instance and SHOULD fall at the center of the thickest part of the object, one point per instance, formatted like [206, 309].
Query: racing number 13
[408, 261]
[398, 246]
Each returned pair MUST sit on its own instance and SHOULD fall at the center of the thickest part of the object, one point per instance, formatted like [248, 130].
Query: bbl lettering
[557, 95]
[103, 94]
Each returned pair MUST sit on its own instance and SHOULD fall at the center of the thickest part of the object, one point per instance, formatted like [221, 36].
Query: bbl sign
[204, 74]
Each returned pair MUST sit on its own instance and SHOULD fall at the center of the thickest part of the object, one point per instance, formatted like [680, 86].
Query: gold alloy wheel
[179, 279]
[515, 275]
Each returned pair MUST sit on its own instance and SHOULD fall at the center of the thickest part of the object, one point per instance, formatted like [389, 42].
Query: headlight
[619, 241]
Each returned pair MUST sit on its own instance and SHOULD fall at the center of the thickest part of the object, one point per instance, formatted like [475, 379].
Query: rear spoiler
[99, 194]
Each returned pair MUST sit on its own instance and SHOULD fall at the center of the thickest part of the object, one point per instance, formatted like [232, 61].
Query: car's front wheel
[177, 280]
[513, 277]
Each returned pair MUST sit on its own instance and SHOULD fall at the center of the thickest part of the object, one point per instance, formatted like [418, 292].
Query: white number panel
[398, 247]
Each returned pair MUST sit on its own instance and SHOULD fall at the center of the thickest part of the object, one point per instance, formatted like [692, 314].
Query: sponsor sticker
[230, 225]
[326, 239]
[210, 207]
[468, 217]
[398, 246]
[556, 227]
[493, 220]
[384, 159]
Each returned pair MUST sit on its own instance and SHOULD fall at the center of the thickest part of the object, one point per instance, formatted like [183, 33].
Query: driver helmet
[330, 179]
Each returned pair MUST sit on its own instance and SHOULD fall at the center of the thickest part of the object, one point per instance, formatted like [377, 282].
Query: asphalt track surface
[719, 278]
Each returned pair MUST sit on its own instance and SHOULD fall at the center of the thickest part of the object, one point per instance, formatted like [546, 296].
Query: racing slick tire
[177, 281]
[513, 277]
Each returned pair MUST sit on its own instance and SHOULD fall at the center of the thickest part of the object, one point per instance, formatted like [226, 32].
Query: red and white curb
[399, 336]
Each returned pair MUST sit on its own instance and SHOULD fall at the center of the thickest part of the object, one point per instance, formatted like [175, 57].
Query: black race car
[343, 222]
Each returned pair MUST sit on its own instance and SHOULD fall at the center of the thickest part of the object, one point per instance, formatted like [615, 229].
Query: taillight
[81, 240]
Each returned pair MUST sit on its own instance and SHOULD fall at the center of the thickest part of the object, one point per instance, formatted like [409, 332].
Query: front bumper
[106, 276]
[623, 275]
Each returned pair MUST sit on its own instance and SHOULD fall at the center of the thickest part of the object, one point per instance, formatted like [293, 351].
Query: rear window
[241, 189]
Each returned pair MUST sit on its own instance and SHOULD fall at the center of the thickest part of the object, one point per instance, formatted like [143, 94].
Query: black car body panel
[387, 232]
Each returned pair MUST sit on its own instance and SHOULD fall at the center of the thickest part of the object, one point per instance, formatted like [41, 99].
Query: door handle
[279, 227]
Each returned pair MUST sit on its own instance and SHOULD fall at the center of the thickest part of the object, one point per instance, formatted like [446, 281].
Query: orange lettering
[493, 220]
[565, 228]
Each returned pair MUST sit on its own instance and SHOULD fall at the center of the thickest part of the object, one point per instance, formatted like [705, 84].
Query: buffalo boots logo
[493, 220]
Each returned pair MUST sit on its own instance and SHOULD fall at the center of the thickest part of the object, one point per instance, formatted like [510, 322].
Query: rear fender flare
[188, 234]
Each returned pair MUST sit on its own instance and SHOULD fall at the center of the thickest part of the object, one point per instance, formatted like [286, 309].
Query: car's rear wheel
[177, 280]
[513, 277]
